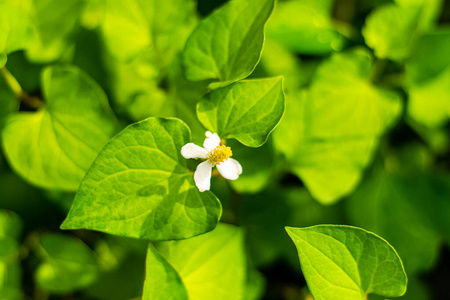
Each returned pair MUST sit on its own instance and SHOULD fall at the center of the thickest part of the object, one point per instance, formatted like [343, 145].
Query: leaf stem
[20, 94]
[378, 69]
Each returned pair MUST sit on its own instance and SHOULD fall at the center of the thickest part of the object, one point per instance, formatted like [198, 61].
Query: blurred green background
[364, 140]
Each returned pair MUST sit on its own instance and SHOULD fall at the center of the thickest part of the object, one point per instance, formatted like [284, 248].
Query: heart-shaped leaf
[347, 261]
[227, 45]
[247, 110]
[139, 186]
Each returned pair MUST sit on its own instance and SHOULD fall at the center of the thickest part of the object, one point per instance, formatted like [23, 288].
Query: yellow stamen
[220, 154]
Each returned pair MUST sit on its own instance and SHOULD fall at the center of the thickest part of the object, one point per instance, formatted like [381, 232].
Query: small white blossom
[215, 155]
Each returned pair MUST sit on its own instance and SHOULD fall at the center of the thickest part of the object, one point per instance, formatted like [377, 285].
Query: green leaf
[409, 210]
[10, 224]
[17, 31]
[422, 66]
[305, 26]
[54, 146]
[56, 22]
[428, 103]
[388, 43]
[139, 186]
[347, 262]
[163, 281]
[68, 264]
[336, 129]
[227, 45]
[210, 266]
[247, 110]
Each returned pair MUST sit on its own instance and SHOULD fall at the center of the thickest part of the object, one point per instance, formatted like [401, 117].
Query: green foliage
[247, 110]
[68, 264]
[306, 27]
[347, 261]
[139, 186]
[54, 146]
[101, 100]
[178, 269]
[227, 45]
[329, 153]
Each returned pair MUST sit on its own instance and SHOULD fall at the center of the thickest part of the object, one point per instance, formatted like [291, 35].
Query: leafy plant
[162, 149]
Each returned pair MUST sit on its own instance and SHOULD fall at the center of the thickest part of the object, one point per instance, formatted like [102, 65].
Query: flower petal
[230, 169]
[202, 176]
[191, 150]
[212, 140]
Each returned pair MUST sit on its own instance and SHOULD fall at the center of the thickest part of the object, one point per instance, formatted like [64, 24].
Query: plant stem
[20, 94]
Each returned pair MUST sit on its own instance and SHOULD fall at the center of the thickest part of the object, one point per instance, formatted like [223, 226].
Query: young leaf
[54, 146]
[10, 224]
[56, 22]
[227, 45]
[305, 26]
[347, 262]
[139, 186]
[409, 18]
[10, 270]
[68, 264]
[336, 129]
[210, 266]
[132, 27]
[17, 31]
[163, 281]
[247, 110]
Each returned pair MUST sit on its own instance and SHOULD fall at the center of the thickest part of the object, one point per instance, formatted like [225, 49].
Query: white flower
[215, 155]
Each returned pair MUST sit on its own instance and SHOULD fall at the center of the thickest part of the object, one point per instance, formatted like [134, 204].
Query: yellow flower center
[220, 154]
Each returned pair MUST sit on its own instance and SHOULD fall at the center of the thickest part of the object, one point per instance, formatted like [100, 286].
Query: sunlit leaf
[210, 266]
[347, 261]
[330, 132]
[17, 31]
[387, 43]
[247, 110]
[139, 186]
[305, 26]
[68, 264]
[54, 146]
[56, 23]
[227, 45]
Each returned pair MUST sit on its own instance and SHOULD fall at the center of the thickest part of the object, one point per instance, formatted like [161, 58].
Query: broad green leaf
[387, 43]
[337, 122]
[56, 23]
[305, 26]
[10, 224]
[247, 110]
[430, 10]
[162, 281]
[132, 27]
[54, 146]
[68, 264]
[139, 186]
[17, 31]
[408, 210]
[422, 66]
[344, 262]
[210, 266]
[227, 45]
[429, 103]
